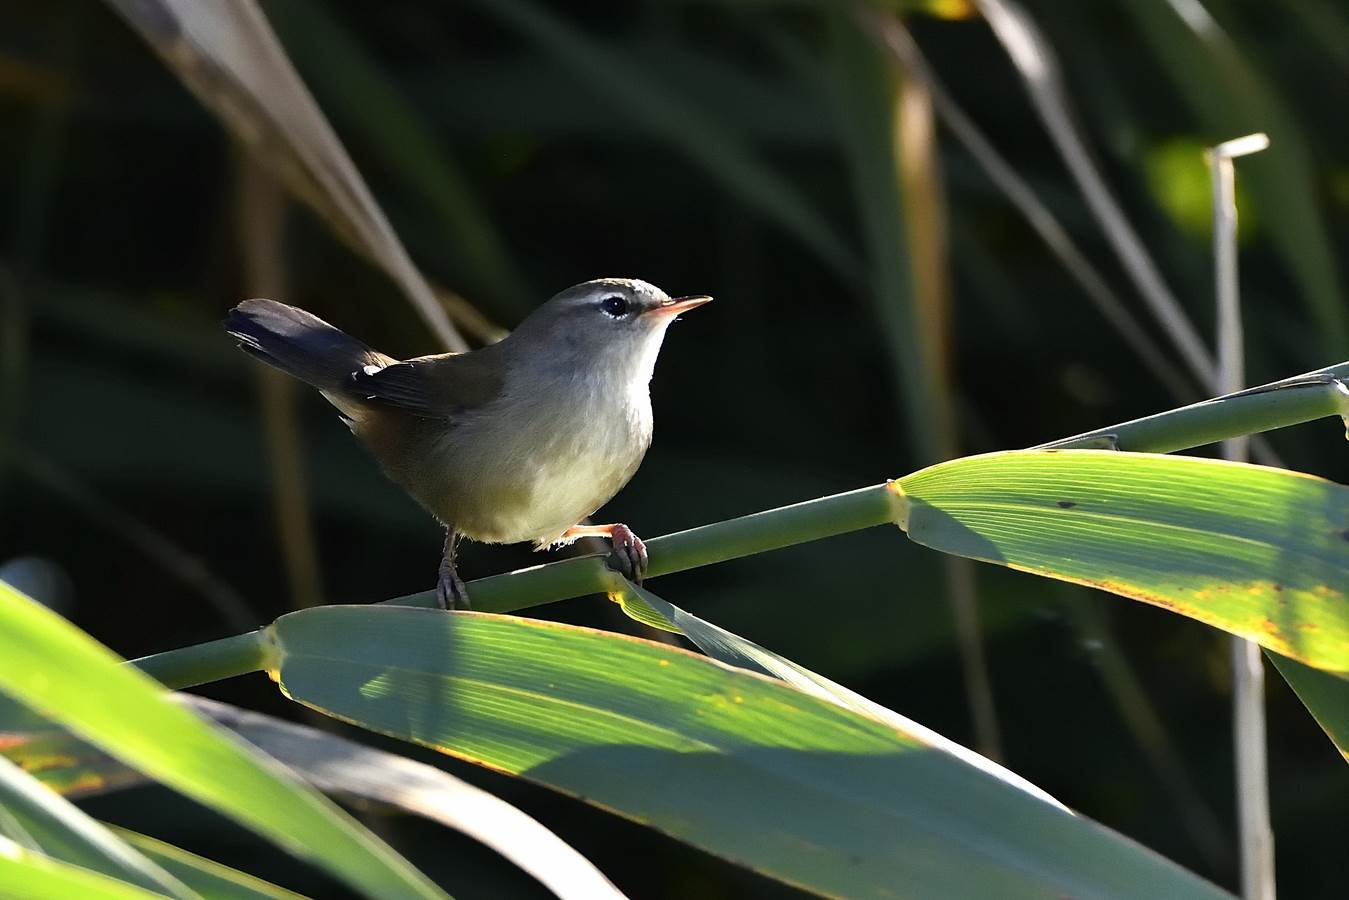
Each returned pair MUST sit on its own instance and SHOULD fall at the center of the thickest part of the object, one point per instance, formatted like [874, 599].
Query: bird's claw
[451, 592]
[629, 554]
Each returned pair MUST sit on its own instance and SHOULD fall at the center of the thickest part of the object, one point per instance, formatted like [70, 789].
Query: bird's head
[614, 325]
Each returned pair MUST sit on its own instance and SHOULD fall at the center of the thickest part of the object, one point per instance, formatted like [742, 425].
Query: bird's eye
[614, 306]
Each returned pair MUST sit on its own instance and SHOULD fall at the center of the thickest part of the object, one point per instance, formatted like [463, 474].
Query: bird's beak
[677, 305]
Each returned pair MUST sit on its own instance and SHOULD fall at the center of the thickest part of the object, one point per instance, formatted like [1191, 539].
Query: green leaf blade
[25, 875]
[63, 832]
[1325, 696]
[210, 879]
[782, 782]
[49, 665]
[334, 765]
[1259, 552]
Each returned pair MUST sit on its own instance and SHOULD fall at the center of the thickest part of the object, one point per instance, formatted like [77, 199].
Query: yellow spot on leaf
[87, 782]
[950, 9]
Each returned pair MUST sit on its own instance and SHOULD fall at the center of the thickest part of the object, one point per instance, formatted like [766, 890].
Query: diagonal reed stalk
[1035, 60]
[1121, 679]
[231, 59]
[122, 525]
[1291, 401]
[890, 31]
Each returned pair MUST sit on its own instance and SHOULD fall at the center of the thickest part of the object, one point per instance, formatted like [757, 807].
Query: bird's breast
[537, 462]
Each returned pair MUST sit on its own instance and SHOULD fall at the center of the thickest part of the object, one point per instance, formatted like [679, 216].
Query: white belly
[554, 465]
[562, 492]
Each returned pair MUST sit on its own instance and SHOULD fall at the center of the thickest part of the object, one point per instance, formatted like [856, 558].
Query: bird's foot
[629, 554]
[451, 592]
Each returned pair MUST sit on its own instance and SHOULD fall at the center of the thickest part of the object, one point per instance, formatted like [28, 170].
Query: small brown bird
[517, 441]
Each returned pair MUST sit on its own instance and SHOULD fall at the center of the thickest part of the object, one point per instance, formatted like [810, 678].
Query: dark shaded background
[120, 254]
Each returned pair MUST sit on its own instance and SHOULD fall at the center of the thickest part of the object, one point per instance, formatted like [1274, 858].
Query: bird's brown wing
[441, 386]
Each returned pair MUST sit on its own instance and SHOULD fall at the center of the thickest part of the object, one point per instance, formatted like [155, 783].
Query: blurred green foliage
[1179, 180]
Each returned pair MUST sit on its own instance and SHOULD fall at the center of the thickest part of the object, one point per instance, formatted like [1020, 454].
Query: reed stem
[1287, 402]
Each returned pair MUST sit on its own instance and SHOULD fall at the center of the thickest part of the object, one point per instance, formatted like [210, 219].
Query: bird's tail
[300, 344]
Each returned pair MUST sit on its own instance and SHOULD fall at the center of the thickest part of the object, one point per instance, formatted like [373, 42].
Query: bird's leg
[629, 556]
[450, 590]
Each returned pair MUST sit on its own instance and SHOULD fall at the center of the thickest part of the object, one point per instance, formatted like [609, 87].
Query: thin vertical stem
[1248, 672]
[261, 220]
[1248, 710]
[914, 129]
